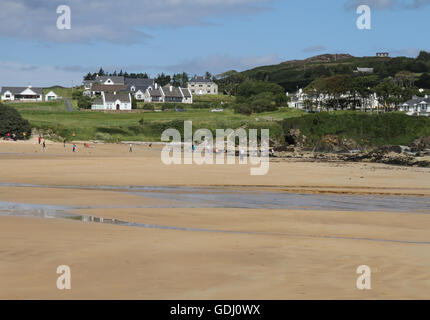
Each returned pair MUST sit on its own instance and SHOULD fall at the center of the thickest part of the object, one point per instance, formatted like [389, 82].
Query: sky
[194, 36]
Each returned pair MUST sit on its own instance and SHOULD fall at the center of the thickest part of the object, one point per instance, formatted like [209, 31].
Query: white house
[22, 94]
[187, 95]
[50, 96]
[202, 86]
[168, 93]
[138, 87]
[155, 94]
[120, 101]
[416, 106]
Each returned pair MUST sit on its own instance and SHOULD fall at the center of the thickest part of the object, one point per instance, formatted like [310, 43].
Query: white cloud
[112, 20]
[17, 74]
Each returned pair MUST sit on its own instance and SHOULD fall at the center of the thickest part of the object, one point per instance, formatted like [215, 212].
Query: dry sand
[285, 254]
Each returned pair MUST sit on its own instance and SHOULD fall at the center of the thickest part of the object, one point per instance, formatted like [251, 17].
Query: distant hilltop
[322, 58]
[295, 74]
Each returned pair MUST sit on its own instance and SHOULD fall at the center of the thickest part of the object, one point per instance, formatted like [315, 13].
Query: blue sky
[194, 35]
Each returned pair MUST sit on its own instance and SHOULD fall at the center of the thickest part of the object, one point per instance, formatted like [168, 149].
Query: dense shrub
[12, 122]
[365, 129]
[84, 102]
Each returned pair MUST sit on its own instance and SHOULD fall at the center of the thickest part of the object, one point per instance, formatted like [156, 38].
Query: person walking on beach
[242, 155]
[64, 142]
[131, 148]
[40, 138]
[44, 146]
[74, 147]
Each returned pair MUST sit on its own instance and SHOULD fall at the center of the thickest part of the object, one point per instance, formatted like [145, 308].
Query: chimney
[171, 88]
[156, 86]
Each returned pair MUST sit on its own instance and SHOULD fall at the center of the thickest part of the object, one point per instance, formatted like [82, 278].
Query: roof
[416, 101]
[198, 79]
[172, 92]
[108, 88]
[19, 90]
[155, 93]
[97, 101]
[140, 82]
[365, 70]
[122, 96]
[115, 79]
[186, 92]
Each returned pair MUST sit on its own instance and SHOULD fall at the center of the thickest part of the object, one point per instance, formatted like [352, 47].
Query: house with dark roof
[138, 87]
[22, 94]
[187, 95]
[120, 101]
[202, 85]
[168, 93]
[111, 80]
[416, 106]
[97, 89]
[172, 94]
[102, 80]
[155, 94]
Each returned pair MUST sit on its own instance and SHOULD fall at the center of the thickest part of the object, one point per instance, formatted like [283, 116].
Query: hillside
[300, 73]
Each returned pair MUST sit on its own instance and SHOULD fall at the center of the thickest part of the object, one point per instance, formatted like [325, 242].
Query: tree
[89, 76]
[184, 80]
[208, 75]
[101, 72]
[84, 102]
[77, 94]
[386, 92]
[133, 103]
[336, 86]
[405, 79]
[12, 122]
[424, 81]
[163, 79]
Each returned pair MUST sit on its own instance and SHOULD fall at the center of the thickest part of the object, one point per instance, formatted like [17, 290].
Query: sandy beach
[209, 252]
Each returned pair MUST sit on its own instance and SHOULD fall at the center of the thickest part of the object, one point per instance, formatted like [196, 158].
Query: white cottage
[50, 96]
[120, 101]
[22, 94]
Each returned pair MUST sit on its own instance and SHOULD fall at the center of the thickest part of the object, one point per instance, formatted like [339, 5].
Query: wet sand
[283, 254]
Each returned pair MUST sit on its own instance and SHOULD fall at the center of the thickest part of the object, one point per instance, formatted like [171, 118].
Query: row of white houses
[30, 94]
[116, 93]
[418, 106]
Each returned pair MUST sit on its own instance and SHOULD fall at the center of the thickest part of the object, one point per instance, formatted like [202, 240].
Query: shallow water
[211, 197]
[63, 212]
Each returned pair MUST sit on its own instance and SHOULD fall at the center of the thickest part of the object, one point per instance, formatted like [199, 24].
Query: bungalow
[51, 95]
[22, 94]
[113, 101]
[416, 106]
